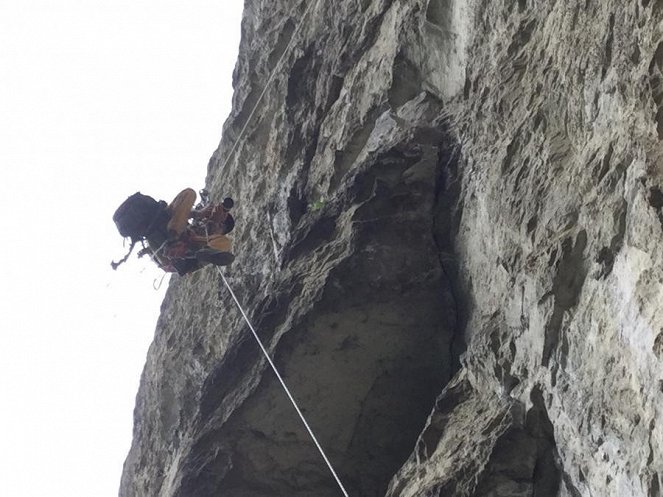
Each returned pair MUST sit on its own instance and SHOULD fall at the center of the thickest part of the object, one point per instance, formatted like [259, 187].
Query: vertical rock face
[449, 224]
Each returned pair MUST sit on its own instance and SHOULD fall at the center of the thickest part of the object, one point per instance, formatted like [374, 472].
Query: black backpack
[140, 216]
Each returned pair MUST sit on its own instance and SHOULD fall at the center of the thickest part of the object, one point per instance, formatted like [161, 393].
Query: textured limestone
[449, 227]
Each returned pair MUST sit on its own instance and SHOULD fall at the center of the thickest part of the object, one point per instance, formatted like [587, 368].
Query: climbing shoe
[216, 257]
[185, 265]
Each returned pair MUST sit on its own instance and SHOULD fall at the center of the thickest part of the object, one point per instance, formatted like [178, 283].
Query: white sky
[98, 99]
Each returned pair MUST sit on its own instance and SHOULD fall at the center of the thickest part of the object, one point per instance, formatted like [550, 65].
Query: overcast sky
[98, 99]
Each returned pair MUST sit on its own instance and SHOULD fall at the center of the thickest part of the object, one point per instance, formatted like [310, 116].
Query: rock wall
[449, 222]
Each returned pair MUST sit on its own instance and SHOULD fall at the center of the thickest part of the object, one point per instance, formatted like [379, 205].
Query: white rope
[239, 306]
[271, 77]
[285, 387]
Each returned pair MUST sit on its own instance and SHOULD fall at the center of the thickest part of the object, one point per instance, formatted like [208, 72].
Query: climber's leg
[180, 210]
[220, 242]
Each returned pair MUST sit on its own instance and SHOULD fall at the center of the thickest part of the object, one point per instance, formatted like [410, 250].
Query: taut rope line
[285, 387]
[271, 77]
[239, 306]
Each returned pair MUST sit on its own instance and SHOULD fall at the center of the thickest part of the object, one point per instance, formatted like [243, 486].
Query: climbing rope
[285, 387]
[225, 281]
[271, 77]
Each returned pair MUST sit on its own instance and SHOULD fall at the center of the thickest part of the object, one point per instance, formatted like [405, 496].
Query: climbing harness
[285, 387]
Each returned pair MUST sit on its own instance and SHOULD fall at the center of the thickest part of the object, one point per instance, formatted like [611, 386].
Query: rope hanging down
[285, 387]
[271, 77]
[239, 306]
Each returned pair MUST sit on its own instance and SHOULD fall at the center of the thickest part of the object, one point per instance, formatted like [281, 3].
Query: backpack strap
[115, 265]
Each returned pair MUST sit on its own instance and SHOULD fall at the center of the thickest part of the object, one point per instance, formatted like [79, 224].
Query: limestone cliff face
[449, 225]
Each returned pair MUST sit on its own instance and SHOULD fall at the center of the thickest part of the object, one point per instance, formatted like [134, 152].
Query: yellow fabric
[180, 210]
[220, 242]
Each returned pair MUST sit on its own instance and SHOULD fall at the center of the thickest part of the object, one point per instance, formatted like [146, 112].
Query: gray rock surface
[449, 224]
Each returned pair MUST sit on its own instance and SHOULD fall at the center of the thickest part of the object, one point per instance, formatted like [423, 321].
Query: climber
[173, 243]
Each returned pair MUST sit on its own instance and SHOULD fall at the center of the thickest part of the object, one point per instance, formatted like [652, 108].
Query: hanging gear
[204, 199]
[169, 239]
[140, 215]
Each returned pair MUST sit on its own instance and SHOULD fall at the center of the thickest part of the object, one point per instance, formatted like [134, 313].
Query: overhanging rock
[449, 223]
